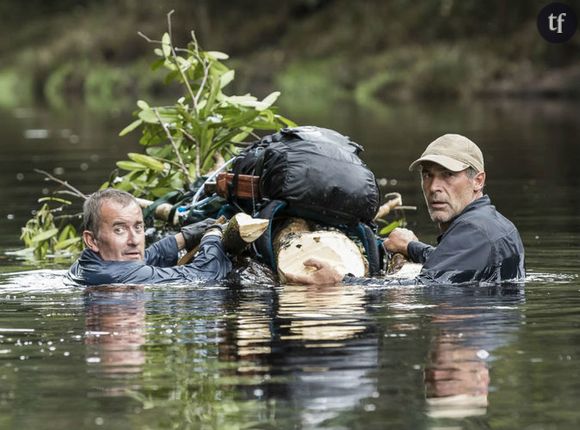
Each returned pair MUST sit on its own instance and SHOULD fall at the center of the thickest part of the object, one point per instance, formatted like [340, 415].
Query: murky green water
[297, 357]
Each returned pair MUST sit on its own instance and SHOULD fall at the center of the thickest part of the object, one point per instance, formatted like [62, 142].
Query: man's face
[447, 193]
[121, 235]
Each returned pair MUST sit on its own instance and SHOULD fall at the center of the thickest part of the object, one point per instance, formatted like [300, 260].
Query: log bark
[242, 230]
[296, 242]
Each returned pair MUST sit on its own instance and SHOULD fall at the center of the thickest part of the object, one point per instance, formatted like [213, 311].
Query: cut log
[242, 230]
[295, 243]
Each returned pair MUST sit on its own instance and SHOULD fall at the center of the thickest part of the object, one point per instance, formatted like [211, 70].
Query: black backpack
[312, 173]
[316, 171]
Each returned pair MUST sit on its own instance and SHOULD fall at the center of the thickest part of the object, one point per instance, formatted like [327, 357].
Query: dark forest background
[368, 50]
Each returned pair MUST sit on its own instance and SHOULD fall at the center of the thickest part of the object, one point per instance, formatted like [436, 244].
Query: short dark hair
[92, 206]
[471, 172]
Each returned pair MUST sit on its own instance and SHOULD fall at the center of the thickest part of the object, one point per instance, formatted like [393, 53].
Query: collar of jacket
[476, 204]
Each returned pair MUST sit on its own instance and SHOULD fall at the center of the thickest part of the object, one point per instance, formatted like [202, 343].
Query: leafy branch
[182, 141]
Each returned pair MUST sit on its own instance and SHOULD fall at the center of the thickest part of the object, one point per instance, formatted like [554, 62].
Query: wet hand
[398, 240]
[193, 233]
[323, 274]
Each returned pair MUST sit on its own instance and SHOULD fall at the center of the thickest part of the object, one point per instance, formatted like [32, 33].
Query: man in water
[477, 243]
[114, 238]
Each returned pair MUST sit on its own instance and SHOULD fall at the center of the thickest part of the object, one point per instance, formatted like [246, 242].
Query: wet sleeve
[210, 264]
[464, 255]
[419, 251]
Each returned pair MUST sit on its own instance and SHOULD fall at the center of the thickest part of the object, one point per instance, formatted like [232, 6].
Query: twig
[175, 148]
[197, 151]
[174, 54]
[65, 184]
[148, 39]
[203, 81]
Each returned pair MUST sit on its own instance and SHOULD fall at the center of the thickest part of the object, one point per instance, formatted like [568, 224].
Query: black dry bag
[316, 171]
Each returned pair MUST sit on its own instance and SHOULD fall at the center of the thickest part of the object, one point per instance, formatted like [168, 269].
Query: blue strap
[263, 245]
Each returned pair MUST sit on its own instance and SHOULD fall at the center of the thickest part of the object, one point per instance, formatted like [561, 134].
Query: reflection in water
[321, 313]
[457, 377]
[320, 328]
[115, 332]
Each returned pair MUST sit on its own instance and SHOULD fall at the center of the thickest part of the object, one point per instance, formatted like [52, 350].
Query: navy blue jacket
[480, 245]
[210, 264]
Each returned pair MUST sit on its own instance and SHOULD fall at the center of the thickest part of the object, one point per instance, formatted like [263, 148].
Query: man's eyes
[121, 229]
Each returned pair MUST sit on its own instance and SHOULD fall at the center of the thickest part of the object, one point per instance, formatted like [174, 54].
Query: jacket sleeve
[464, 255]
[418, 251]
[210, 264]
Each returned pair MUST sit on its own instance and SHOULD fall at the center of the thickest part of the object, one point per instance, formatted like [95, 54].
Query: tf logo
[557, 22]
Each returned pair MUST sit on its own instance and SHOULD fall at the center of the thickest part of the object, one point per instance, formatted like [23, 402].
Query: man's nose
[435, 184]
[134, 237]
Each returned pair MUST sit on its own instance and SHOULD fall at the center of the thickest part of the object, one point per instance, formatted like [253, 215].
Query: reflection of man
[115, 322]
[456, 380]
[477, 243]
[115, 251]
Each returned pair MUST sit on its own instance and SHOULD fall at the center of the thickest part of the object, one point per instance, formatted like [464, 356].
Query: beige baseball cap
[452, 151]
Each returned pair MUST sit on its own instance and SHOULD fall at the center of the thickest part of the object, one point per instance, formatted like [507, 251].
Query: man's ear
[479, 181]
[90, 241]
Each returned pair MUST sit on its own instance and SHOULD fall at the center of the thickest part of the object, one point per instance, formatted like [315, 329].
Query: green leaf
[268, 101]
[67, 243]
[129, 165]
[158, 63]
[131, 127]
[287, 122]
[217, 55]
[147, 161]
[148, 116]
[45, 235]
[142, 104]
[389, 228]
[183, 63]
[226, 78]
[166, 45]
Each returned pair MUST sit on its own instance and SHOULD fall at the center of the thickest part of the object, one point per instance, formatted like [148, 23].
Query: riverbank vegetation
[182, 141]
[309, 49]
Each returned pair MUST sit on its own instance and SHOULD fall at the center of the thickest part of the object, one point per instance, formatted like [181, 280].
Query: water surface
[265, 356]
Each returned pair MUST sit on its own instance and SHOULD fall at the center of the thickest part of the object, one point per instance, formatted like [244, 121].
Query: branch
[203, 81]
[182, 165]
[65, 184]
[174, 55]
[197, 151]
[147, 38]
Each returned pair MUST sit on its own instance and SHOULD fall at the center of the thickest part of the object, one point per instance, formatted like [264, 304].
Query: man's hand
[324, 274]
[193, 233]
[398, 240]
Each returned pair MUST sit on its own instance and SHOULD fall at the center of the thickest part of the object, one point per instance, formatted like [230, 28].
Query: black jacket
[210, 264]
[480, 245]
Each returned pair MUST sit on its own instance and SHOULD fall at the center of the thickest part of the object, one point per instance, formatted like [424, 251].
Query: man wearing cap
[477, 243]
